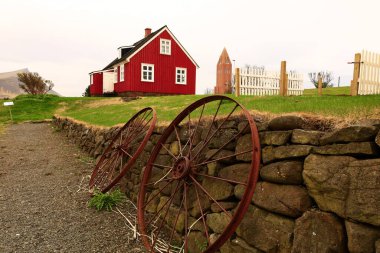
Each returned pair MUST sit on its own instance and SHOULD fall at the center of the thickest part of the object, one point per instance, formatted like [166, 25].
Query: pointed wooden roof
[224, 57]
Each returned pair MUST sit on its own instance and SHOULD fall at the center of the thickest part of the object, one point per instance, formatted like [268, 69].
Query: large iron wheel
[195, 152]
[123, 150]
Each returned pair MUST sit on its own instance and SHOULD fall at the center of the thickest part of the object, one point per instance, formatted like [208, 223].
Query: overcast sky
[65, 40]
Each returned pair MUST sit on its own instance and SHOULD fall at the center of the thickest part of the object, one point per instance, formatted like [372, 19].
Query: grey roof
[136, 45]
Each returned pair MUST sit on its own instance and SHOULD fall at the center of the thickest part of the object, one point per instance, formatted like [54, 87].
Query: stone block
[300, 136]
[219, 190]
[266, 231]
[352, 148]
[318, 232]
[285, 172]
[237, 172]
[270, 153]
[288, 200]
[288, 122]
[350, 134]
[346, 186]
[275, 138]
[244, 143]
[238, 245]
[361, 237]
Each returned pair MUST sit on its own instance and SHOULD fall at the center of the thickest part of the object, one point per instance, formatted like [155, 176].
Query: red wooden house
[156, 64]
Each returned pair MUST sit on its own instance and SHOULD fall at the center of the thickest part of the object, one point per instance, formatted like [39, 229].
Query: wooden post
[286, 85]
[319, 85]
[355, 78]
[237, 82]
[283, 79]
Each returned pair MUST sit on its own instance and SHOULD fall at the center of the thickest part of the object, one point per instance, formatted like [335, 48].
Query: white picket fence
[369, 77]
[260, 82]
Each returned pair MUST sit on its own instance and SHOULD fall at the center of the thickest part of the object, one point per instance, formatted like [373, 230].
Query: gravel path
[42, 206]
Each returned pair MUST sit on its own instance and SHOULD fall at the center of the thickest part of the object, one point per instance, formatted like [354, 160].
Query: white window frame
[91, 79]
[182, 74]
[115, 75]
[147, 71]
[165, 46]
[121, 73]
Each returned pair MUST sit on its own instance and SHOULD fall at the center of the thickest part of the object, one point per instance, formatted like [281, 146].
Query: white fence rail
[260, 82]
[369, 77]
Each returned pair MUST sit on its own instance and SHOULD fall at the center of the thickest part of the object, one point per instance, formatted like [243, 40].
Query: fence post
[237, 82]
[283, 79]
[355, 78]
[286, 85]
[319, 85]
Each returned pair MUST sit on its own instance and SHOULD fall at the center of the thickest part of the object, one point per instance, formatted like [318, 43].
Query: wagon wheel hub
[181, 168]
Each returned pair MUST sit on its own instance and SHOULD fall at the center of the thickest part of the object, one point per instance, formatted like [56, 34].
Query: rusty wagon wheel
[192, 179]
[123, 150]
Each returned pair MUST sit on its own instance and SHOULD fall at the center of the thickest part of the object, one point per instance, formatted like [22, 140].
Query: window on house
[147, 72]
[91, 79]
[121, 78]
[180, 76]
[165, 46]
[115, 75]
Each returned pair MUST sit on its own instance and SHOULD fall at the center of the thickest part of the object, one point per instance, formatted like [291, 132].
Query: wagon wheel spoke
[105, 168]
[137, 132]
[123, 150]
[195, 131]
[186, 216]
[178, 139]
[166, 204]
[169, 152]
[221, 179]
[207, 161]
[209, 195]
[207, 132]
[202, 215]
[175, 224]
[228, 142]
[155, 234]
[213, 134]
[157, 194]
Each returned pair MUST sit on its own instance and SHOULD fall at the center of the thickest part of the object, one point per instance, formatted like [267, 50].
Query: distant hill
[9, 84]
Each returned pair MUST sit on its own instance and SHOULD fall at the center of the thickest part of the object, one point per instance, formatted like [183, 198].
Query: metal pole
[10, 113]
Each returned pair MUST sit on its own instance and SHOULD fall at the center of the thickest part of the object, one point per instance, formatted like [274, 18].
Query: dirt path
[41, 209]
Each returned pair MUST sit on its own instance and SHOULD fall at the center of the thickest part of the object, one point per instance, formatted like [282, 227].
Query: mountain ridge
[9, 87]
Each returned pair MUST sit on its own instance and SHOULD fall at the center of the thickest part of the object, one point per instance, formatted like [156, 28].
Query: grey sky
[65, 40]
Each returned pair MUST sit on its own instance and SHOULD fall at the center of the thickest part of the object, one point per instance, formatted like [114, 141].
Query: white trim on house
[121, 73]
[165, 46]
[122, 47]
[100, 71]
[155, 36]
[181, 76]
[147, 72]
[91, 79]
[115, 75]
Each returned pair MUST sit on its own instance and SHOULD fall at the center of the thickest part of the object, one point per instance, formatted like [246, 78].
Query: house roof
[142, 43]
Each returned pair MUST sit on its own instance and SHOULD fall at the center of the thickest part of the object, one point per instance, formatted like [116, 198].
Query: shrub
[106, 201]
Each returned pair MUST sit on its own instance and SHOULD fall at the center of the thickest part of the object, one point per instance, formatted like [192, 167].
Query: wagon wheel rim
[123, 150]
[183, 175]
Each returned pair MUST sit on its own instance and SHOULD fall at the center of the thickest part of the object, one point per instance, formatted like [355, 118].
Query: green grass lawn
[111, 111]
[39, 107]
[328, 91]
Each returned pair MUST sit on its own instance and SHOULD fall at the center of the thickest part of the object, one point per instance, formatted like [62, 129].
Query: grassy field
[111, 111]
[329, 91]
[27, 107]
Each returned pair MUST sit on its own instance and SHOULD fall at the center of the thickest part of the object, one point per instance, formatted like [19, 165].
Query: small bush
[106, 201]
[110, 94]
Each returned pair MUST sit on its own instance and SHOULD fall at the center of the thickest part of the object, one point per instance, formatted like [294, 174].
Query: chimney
[147, 31]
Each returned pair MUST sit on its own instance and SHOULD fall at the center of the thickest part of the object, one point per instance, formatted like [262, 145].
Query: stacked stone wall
[317, 192]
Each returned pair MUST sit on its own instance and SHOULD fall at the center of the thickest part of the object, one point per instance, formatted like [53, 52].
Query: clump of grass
[106, 201]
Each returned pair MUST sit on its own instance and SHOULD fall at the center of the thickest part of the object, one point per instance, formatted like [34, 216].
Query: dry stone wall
[318, 191]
